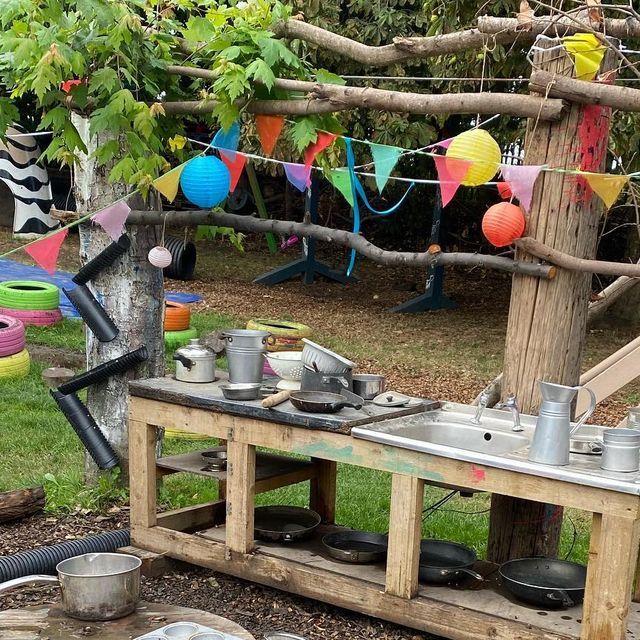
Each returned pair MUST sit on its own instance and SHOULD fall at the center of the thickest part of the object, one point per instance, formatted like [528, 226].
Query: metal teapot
[195, 363]
[550, 444]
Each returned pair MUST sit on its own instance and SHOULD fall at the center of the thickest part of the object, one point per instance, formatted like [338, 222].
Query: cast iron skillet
[321, 401]
[442, 561]
[284, 524]
[546, 583]
[359, 547]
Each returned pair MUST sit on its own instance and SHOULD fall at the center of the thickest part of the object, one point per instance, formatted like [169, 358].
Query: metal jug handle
[592, 407]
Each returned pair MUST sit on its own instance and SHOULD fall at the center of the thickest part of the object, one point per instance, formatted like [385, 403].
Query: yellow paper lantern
[479, 147]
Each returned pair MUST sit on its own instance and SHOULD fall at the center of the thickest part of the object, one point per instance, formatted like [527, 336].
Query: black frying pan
[443, 562]
[546, 583]
[321, 401]
[284, 524]
[359, 547]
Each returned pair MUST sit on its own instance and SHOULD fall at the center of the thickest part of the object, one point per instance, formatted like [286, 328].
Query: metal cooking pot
[95, 586]
[284, 524]
[369, 385]
[195, 363]
[442, 562]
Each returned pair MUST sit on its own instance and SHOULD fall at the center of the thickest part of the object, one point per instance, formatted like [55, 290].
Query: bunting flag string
[385, 159]
[269, 129]
[521, 180]
[112, 219]
[608, 187]
[168, 183]
[45, 251]
[227, 139]
[451, 173]
[298, 175]
[325, 139]
[235, 166]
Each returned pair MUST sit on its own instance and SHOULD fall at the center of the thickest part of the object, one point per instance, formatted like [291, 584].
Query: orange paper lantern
[503, 223]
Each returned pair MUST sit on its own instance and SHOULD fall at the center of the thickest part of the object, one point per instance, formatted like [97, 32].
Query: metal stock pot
[95, 586]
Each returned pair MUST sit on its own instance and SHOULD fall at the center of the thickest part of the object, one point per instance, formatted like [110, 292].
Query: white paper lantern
[160, 257]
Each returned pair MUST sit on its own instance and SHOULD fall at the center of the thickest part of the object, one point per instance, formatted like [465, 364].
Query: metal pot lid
[196, 351]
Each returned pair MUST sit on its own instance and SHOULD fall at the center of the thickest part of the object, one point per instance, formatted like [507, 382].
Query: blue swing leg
[307, 266]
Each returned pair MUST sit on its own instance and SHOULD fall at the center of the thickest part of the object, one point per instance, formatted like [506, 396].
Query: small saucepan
[443, 562]
[95, 586]
[321, 401]
[358, 547]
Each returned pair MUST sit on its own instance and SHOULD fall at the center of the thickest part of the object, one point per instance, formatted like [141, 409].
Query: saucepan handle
[452, 572]
[25, 580]
[186, 362]
[561, 596]
[592, 407]
[341, 405]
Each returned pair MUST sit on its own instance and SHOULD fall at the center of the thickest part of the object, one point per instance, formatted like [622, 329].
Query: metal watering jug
[553, 431]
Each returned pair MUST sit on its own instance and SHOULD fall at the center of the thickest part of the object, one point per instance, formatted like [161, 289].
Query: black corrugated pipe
[45, 559]
[103, 260]
[105, 370]
[183, 261]
[92, 312]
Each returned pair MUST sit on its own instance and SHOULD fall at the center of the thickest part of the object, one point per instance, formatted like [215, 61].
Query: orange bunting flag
[323, 141]
[168, 183]
[235, 166]
[269, 129]
[451, 172]
[608, 187]
[45, 252]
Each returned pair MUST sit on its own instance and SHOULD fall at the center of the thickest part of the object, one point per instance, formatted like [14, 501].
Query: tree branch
[433, 256]
[271, 107]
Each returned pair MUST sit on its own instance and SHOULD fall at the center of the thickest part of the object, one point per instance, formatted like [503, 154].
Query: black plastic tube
[92, 313]
[103, 260]
[87, 430]
[44, 559]
[183, 261]
[105, 370]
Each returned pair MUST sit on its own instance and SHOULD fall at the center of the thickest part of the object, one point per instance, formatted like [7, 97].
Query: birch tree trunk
[548, 319]
[131, 292]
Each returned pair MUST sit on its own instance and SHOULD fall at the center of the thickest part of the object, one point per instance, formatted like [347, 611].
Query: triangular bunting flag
[451, 172]
[608, 187]
[443, 144]
[298, 175]
[385, 159]
[521, 180]
[323, 141]
[341, 180]
[168, 183]
[269, 129]
[112, 219]
[587, 51]
[45, 252]
[235, 166]
[227, 139]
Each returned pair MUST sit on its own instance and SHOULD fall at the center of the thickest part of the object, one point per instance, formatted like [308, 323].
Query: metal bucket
[245, 339]
[621, 450]
[245, 350]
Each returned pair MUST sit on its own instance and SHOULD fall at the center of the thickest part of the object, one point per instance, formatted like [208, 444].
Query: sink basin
[419, 432]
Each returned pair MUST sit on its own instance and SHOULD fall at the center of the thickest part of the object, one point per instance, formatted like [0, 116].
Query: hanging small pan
[321, 401]
[443, 562]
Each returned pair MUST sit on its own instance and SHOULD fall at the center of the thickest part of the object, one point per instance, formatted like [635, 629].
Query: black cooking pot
[443, 562]
[284, 524]
[546, 583]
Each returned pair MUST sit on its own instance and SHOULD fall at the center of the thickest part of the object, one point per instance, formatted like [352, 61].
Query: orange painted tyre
[177, 316]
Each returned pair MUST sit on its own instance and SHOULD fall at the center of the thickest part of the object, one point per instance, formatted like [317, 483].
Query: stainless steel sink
[449, 427]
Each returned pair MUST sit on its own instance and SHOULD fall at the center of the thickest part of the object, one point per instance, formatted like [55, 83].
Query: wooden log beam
[434, 255]
[559, 26]
[566, 261]
[21, 503]
[269, 107]
[607, 95]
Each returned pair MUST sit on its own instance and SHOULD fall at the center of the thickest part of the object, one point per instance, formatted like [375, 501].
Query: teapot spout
[557, 392]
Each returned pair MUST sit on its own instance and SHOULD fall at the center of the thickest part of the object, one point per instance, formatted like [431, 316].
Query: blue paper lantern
[205, 181]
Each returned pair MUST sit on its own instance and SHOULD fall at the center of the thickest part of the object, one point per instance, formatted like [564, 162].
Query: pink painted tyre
[12, 338]
[34, 317]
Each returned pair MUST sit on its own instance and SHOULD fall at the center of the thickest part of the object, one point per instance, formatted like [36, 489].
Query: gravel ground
[258, 609]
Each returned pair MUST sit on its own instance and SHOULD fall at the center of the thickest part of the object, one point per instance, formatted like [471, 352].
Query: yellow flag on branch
[587, 51]
[608, 187]
[168, 183]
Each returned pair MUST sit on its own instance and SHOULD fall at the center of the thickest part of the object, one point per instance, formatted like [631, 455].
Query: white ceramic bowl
[326, 361]
[287, 365]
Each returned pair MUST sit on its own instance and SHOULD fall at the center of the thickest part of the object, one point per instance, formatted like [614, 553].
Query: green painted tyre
[16, 366]
[175, 339]
[29, 294]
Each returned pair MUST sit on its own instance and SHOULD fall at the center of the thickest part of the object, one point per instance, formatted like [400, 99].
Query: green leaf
[226, 113]
[107, 151]
[304, 132]
[54, 119]
[103, 81]
[143, 122]
[260, 71]
[326, 77]
[44, 78]
[199, 29]
[123, 170]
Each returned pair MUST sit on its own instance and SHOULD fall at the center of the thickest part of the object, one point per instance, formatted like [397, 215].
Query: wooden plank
[142, 481]
[194, 517]
[153, 564]
[241, 473]
[405, 526]
[322, 494]
[595, 550]
[609, 591]
[476, 621]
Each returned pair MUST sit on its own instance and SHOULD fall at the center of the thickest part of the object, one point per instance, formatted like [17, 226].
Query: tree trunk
[131, 291]
[548, 319]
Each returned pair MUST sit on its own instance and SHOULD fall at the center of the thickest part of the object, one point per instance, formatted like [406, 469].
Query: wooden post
[548, 319]
[131, 291]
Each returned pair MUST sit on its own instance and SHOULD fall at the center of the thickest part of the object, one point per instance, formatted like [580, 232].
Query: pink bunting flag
[235, 166]
[45, 252]
[521, 180]
[298, 175]
[451, 172]
[323, 141]
[443, 144]
[112, 219]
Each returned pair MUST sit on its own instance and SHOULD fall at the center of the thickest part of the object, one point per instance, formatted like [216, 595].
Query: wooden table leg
[322, 497]
[612, 560]
[142, 476]
[405, 526]
[241, 486]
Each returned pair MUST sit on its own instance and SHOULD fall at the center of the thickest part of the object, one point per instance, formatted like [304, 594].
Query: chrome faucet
[511, 403]
[483, 400]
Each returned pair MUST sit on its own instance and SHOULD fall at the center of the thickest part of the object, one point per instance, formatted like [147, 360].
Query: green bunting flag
[385, 159]
[340, 179]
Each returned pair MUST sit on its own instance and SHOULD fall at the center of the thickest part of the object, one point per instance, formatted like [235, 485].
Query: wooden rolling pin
[275, 399]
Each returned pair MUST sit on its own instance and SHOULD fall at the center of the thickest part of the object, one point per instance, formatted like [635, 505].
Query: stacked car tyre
[177, 321]
[14, 358]
[30, 301]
